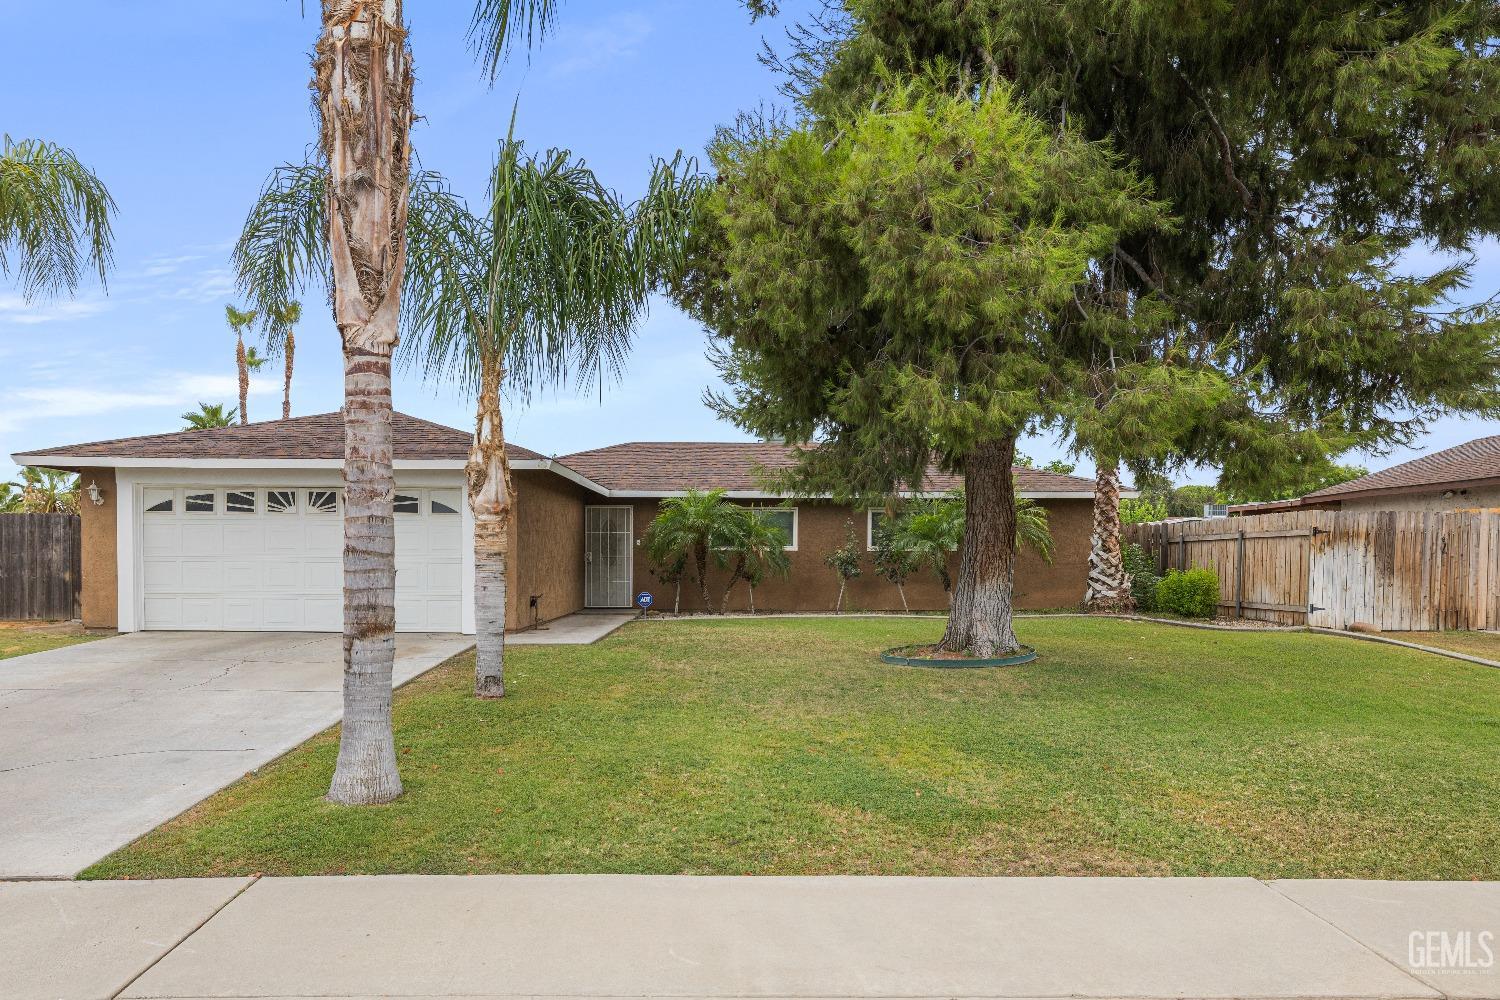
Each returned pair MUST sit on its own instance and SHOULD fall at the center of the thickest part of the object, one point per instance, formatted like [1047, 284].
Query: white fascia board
[81, 462]
[553, 465]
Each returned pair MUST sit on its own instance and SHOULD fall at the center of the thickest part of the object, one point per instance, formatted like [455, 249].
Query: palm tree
[281, 319]
[48, 491]
[54, 218]
[208, 415]
[10, 498]
[758, 547]
[547, 285]
[694, 526]
[239, 321]
[357, 233]
[931, 529]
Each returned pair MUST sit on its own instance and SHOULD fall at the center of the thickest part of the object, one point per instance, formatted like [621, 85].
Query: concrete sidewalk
[616, 936]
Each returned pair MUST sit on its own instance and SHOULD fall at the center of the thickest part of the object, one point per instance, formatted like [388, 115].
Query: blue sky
[183, 106]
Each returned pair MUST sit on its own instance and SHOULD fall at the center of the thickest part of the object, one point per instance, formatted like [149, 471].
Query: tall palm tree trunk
[362, 75]
[490, 498]
[979, 621]
[243, 366]
[286, 382]
[1108, 585]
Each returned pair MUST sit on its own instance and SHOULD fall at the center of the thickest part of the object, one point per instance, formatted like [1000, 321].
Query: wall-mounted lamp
[95, 493]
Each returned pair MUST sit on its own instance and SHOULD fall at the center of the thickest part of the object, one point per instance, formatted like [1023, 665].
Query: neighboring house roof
[314, 438]
[656, 468]
[1467, 463]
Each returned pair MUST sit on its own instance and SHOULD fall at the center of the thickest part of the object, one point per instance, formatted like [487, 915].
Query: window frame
[415, 496]
[253, 494]
[171, 500]
[796, 522]
[292, 491]
[214, 505]
[311, 510]
[870, 513]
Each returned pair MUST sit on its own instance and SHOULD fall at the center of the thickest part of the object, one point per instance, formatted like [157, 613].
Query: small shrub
[1143, 578]
[1192, 594]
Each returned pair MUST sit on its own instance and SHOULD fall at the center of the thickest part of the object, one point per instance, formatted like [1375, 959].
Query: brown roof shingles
[655, 467]
[320, 436]
[1477, 459]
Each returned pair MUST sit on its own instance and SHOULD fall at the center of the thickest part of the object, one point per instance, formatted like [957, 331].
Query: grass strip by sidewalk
[786, 747]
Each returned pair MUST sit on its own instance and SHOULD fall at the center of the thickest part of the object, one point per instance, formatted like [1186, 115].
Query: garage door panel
[163, 574]
[445, 537]
[282, 569]
[323, 576]
[445, 577]
[201, 612]
[325, 536]
[161, 536]
[243, 538]
[282, 613]
[163, 612]
[286, 534]
[240, 615]
[200, 575]
[280, 576]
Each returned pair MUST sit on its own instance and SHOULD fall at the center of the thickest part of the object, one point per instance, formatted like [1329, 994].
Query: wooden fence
[40, 566]
[1398, 571]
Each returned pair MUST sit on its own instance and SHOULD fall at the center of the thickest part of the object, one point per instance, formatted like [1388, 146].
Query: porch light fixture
[95, 493]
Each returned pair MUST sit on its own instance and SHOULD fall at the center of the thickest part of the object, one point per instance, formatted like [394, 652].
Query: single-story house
[239, 528]
[1464, 477]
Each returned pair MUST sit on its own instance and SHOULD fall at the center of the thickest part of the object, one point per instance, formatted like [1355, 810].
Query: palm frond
[283, 245]
[496, 25]
[54, 218]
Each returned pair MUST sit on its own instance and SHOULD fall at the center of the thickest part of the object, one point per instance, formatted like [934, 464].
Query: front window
[875, 522]
[784, 520]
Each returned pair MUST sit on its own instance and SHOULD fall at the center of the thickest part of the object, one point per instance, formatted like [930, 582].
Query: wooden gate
[1398, 571]
[40, 566]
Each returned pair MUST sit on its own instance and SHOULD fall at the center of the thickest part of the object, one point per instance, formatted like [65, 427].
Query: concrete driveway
[103, 741]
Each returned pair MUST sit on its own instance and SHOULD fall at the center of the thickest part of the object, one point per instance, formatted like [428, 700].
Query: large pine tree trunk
[286, 382]
[243, 368]
[979, 621]
[490, 497]
[362, 74]
[1108, 586]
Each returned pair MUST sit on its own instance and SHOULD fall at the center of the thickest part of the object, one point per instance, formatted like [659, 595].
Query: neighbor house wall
[546, 547]
[812, 586]
[1426, 503]
[99, 592]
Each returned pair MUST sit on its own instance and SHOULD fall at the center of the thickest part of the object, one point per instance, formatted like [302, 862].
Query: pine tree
[1302, 149]
[890, 284]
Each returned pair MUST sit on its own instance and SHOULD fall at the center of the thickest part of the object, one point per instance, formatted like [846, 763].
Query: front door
[606, 557]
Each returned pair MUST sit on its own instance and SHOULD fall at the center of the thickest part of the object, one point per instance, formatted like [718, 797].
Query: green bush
[1192, 594]
[1143, 578]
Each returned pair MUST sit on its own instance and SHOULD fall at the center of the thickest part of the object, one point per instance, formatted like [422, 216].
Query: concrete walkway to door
[103, 741]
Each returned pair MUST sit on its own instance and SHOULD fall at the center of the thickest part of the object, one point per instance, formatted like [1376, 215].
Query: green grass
[785, 747]
[1485, 645]
[22, 639]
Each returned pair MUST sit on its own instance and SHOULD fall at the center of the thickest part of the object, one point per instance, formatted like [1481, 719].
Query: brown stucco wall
[812, 586]
[546, 547]
[99, 592]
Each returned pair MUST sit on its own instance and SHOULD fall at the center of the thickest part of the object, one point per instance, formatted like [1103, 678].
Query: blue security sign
[645, 600]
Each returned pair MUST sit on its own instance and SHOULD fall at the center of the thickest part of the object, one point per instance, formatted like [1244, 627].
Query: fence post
[1239, 575]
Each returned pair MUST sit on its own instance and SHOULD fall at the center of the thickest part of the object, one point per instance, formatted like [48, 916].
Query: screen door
[606, 557]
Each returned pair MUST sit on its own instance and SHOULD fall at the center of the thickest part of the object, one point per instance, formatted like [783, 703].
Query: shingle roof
[1477, 459]
[671, 466]
[320, 436]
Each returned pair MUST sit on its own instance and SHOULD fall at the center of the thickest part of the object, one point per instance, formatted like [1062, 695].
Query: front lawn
[1485, 645]
[20, 638]
[784, 747]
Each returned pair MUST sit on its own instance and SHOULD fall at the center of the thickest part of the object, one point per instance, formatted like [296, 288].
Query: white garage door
[271, 559]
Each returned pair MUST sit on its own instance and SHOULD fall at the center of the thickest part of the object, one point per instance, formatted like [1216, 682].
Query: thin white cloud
[599, 45]
[14, 309]
[27, 404]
